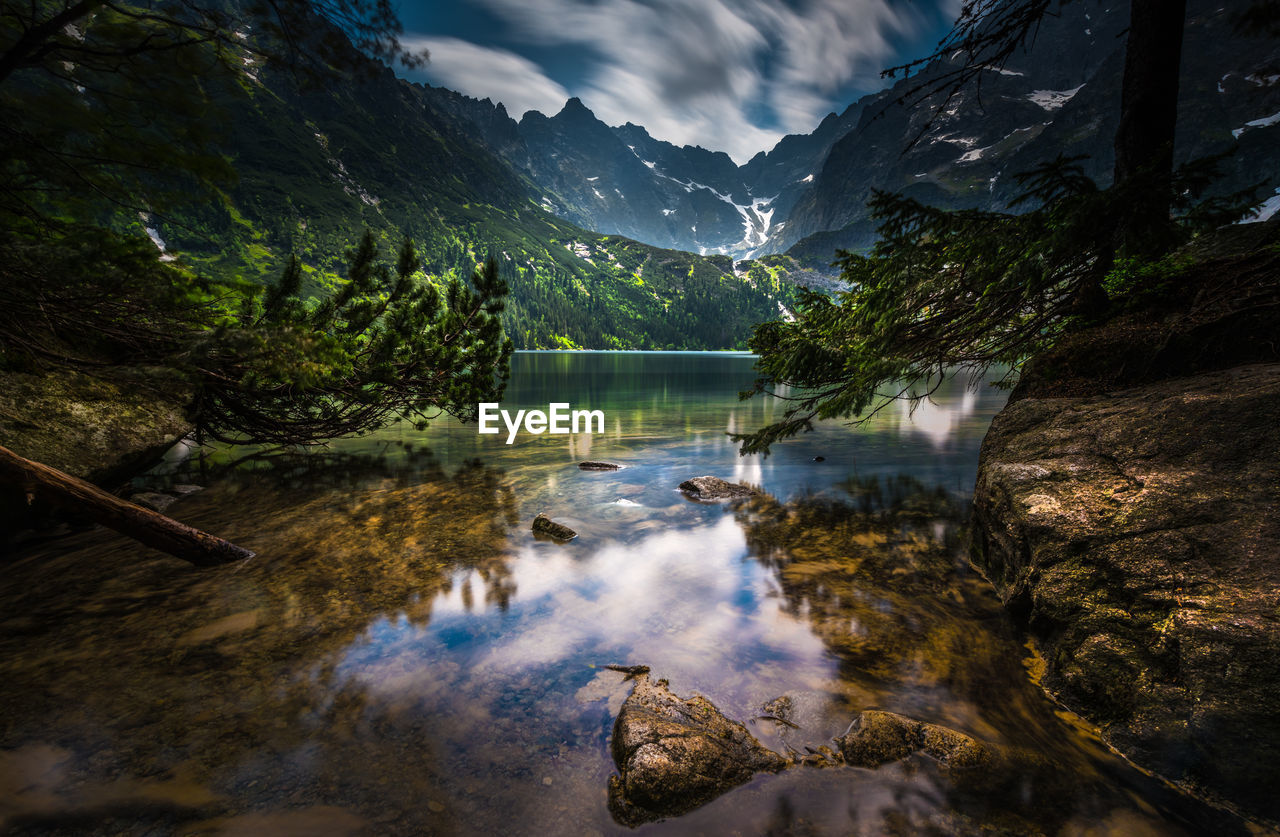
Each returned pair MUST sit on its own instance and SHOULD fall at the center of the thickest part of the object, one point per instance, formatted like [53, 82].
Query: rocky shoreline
[101, 428]
[1134, 534]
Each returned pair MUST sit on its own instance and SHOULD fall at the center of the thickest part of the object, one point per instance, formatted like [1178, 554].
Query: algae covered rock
[674, 755]
[543, 525]
[1135, 534]
[99, 428]
[714, 488]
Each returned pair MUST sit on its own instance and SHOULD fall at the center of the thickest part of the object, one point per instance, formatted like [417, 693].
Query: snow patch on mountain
[1264, 122]
[154, 235]
[975, 154]
[1267, 211]
[1052, 99]
[582, 251]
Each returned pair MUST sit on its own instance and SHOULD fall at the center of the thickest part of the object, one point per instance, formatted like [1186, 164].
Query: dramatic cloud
[730, 75]
[489, 73]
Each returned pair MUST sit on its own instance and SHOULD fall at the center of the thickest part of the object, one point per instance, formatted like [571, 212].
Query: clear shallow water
[405, 657]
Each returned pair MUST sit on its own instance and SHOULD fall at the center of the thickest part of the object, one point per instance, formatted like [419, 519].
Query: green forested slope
[316, 164]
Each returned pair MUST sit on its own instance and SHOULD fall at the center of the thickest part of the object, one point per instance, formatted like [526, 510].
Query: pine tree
[387, 345]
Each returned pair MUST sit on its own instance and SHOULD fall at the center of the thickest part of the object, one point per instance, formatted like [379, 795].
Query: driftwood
[144, 525]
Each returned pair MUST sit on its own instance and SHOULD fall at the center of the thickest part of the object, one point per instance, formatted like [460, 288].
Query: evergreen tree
[967, 290]
[388, 344]
[946, 292]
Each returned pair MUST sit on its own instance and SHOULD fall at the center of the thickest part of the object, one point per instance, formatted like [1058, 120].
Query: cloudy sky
[729, 75]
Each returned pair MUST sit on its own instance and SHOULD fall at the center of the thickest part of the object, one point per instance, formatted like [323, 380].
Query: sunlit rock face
[1136, 534]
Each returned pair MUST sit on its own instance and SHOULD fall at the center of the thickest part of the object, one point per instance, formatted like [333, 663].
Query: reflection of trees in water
[150, 666]
[356, 536]
[890, 600]
[881, 578]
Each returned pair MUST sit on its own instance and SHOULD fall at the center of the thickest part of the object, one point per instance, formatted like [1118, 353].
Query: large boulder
[674, 755]
[1137, 535]
[99, 428]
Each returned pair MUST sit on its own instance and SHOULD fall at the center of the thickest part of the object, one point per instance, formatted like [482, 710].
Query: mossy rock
[674, 754]
[1134, 533]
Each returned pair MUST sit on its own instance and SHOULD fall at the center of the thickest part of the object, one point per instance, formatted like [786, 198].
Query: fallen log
[144, 525]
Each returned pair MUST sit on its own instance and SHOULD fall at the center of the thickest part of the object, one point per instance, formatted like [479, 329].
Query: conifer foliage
[387, 344]
[946, 292]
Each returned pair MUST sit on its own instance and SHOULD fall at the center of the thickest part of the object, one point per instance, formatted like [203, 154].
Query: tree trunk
[1148, 119]
[149, 527]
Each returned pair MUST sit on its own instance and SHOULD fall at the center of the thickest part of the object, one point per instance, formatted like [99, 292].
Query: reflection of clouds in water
[684, 602]
[653, 596]
[936, 417]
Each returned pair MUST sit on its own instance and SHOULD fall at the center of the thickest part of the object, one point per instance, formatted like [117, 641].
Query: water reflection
[880, 578]
[404, 657]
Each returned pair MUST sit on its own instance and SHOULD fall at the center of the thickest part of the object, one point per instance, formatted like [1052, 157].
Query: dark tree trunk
[149, 527]
[1148, 118]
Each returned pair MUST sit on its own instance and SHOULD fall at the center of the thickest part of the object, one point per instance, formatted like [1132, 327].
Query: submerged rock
[153, 500]
[714, 488]
[674, 755]
[1136, 535]
[543, 525]
[877, 738]
[593, 465]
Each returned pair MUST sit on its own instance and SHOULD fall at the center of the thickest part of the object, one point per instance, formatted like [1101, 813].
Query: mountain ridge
[807, 195]
[316, 164]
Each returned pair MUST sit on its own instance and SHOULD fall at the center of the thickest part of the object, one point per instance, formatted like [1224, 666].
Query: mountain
[611, 238]
[317, 164]
[622, 181]
[1060, 97]
[807, 196]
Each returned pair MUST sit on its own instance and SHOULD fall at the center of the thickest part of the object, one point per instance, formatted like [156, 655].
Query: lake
[404, 656]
